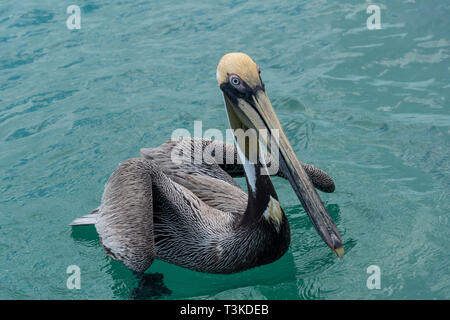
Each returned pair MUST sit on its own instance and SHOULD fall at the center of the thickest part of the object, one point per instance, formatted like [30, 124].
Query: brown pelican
[194, 214]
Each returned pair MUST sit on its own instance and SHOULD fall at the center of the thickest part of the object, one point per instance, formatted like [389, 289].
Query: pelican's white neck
[249, 168]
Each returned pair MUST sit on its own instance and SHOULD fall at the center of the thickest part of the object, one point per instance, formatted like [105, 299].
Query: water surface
[371, 107]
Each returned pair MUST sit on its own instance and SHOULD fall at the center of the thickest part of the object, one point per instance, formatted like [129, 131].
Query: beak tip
[339, 252]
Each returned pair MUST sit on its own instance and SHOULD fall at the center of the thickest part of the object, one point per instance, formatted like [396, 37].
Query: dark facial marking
[236, 88]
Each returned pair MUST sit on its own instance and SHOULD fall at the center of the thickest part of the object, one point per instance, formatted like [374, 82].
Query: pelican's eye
[235, 81]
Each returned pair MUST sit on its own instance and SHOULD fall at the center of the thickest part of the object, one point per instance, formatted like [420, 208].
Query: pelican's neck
[261, 193]
[249, 168]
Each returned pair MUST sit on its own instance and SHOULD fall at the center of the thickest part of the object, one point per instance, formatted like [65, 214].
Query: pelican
[195, 215]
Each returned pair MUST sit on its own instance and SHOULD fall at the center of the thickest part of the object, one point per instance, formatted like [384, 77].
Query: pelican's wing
[125, 217]
[216, 159]
[142, 207]
[193, 157]
[179, 160]
[216, 193]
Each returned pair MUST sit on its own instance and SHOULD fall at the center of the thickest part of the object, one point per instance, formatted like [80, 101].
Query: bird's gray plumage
[221, 161]
[186, 212]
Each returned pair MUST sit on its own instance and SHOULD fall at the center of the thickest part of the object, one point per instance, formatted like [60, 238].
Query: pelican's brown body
[194, 214]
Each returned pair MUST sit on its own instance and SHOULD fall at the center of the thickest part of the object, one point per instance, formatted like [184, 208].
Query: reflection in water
[178, 282]
[151, 286]
[127, 285]
[307, 255]
[85, 235]
[312, 258]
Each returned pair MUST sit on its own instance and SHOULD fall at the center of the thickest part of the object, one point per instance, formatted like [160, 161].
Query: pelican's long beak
[251, 108]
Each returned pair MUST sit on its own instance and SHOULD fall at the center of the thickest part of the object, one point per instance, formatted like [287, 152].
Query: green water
[371, 107]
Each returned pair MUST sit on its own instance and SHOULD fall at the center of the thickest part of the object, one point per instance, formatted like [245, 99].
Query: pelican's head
[249, 107]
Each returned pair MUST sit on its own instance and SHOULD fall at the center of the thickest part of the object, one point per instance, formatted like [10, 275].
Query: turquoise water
[371, 107]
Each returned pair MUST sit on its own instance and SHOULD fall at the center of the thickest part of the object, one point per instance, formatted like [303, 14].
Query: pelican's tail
[86, 220]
